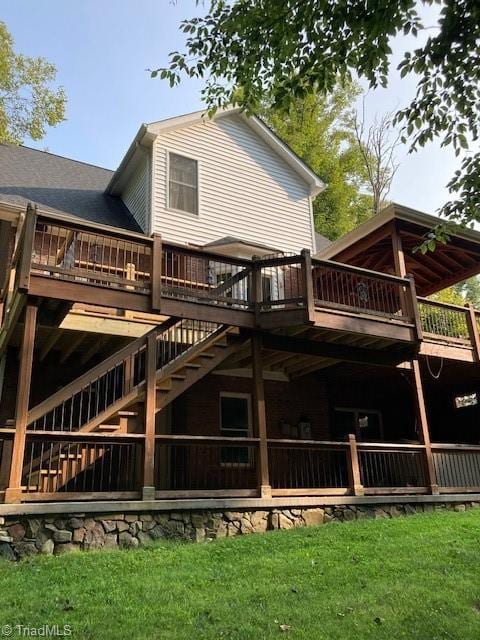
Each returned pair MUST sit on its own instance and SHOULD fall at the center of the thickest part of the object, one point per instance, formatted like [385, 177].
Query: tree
[28, 103]
[377, 146]
[320, 130]
[466, 292]
[288, 49]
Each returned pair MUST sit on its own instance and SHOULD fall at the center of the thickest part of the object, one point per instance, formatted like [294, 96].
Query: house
[177, 331]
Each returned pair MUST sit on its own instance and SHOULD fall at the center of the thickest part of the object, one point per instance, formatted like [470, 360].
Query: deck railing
[443, 320]
[83, 466]
[307, 465]
[281, 283]
[386, 468]
[81, 403]
[351, 288]
[69, 464]
[76, 252]
[201, 276]
[63, 250]
[201, 465]
[457, 467]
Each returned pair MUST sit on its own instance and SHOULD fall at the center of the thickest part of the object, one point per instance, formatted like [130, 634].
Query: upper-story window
[182, 183]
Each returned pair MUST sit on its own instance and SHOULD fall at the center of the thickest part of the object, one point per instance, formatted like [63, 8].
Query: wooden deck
[95, 439]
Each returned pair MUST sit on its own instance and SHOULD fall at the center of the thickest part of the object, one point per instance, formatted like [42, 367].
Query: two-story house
[176, 330]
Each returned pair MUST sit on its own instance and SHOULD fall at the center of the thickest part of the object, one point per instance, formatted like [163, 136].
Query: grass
[416, 577]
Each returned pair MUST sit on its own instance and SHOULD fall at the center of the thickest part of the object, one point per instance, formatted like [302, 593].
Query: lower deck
[342, 430]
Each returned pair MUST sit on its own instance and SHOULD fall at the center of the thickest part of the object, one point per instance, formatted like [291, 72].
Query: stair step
[193, 365]
[178, 376]
[33, 487]
[70, 456]
[107, 427]
[127, 414]
[164, 385]
[50, 472]
[207, 354]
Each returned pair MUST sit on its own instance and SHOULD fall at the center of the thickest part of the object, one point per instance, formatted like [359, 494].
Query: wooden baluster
[354, 478]
[423, 420]
[14, 492]
[260, 420]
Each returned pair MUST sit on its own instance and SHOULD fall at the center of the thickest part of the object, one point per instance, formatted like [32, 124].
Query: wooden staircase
[108, 399]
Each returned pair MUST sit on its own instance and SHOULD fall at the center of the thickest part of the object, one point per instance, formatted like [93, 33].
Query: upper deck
[67, 261]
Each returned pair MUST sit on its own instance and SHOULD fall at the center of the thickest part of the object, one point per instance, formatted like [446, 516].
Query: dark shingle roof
[60, 185]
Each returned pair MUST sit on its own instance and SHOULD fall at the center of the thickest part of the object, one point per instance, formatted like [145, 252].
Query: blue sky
[102, 49]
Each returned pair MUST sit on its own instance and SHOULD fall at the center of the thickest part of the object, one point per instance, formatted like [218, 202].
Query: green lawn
[415, 577]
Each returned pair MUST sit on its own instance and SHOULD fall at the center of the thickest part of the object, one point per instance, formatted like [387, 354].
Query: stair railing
[117, 378]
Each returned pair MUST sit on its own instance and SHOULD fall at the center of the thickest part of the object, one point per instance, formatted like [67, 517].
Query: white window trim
[248, 398]
[167, 184]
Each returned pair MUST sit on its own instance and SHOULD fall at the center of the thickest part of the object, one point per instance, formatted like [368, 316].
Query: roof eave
[394, 211]
[144, 138]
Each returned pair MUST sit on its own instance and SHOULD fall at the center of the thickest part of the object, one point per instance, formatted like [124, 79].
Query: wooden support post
[424, 430]
[156, 275]
[414, 310]
[473, 331]
[26, 250]
[14, 491]
[354, 478]
[150, 406]
[308, 280]
[398, 254]
[257, 291]
[400, 267]
[260, 419]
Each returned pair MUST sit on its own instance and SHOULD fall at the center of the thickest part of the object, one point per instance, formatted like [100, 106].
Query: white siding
[246, 189]
[136, 193]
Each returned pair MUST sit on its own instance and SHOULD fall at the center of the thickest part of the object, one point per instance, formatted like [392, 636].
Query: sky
[102, 50]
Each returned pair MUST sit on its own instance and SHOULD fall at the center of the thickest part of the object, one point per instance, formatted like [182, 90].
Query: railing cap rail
[188, 439]
[443, 305]
[94, 227]
[205, 253]
[332, 264]
[319, 443]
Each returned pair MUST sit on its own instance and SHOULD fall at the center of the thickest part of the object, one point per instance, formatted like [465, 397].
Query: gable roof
[372, 245]
[60, 185]
[148, 132]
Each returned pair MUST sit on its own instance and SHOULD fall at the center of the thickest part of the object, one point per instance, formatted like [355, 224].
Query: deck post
[308, 280]
[415, 312]
[24, 265]
[156, 275]
[354, 478]
[13, 493]
[260, 419]
[257, 292]
[148, 492]
[473, 331]
[423, 420]
[400, 266]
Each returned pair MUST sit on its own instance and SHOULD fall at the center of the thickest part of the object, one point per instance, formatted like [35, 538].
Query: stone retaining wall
[28, 535]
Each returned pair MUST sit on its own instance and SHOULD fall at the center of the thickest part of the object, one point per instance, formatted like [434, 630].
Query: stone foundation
[29, 535]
